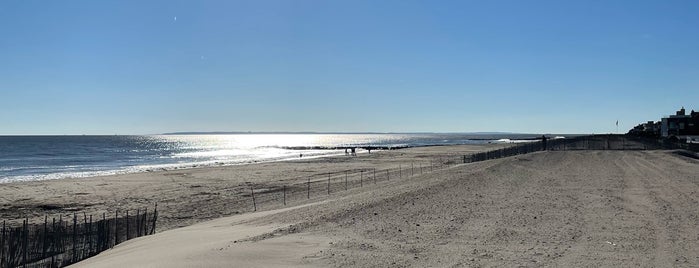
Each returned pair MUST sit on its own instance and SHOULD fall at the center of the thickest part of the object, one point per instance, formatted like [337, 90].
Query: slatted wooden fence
[63, 241]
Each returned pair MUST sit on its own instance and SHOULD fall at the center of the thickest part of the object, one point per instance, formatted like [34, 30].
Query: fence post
[2, 246]
[308, 189]
[105, 243]
[155, 218]
[25, 239]
[116, 227]
[145, 221]
[412, 169]
[127, 224]
[84, 240]
[89, 244]
[284, 190]
[46, 235]
[254, 204]
[138, 215]
[75, 236]
[53, 236]
[361, 179]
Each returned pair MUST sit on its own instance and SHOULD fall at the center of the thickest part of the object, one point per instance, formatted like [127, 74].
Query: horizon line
[303, 132]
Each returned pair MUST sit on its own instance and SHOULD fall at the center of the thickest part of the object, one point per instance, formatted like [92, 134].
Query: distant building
[680, 125]
[649, 129]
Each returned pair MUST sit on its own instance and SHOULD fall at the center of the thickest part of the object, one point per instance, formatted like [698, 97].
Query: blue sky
[143, 67]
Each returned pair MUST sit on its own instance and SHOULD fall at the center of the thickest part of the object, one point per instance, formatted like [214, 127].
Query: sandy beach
[570, 209]
[188, 196]
[349, 134]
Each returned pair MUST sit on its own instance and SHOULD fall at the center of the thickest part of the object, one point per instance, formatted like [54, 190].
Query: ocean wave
[516, 141]
[76, 174]
[59, 175]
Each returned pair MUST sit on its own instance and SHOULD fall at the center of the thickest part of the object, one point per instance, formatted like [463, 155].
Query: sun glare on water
[241, 147]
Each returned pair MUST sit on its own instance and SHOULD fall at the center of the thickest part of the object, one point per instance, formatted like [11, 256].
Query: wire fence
[320, 185]
[60, 242]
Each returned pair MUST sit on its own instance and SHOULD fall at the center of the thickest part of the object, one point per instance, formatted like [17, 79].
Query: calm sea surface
[55, 157]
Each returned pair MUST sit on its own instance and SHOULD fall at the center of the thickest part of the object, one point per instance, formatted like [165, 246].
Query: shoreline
[187, 196]
[308, 152]
[166, 168]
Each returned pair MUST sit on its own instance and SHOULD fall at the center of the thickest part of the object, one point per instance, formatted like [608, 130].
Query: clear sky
[143, 67]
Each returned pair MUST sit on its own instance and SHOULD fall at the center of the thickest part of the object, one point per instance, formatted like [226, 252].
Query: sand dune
[569, 209]
[214, 244]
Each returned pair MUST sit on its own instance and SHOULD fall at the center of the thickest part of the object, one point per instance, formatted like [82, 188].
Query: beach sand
[567, 209]
[188, 196]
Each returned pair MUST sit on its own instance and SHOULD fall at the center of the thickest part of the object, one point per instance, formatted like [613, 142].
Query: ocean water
[25, 158]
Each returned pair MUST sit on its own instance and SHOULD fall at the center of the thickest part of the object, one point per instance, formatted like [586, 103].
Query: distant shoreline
[59, 157]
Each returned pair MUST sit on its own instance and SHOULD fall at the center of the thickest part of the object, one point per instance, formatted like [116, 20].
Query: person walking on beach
[543, 141]
[354, 152]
